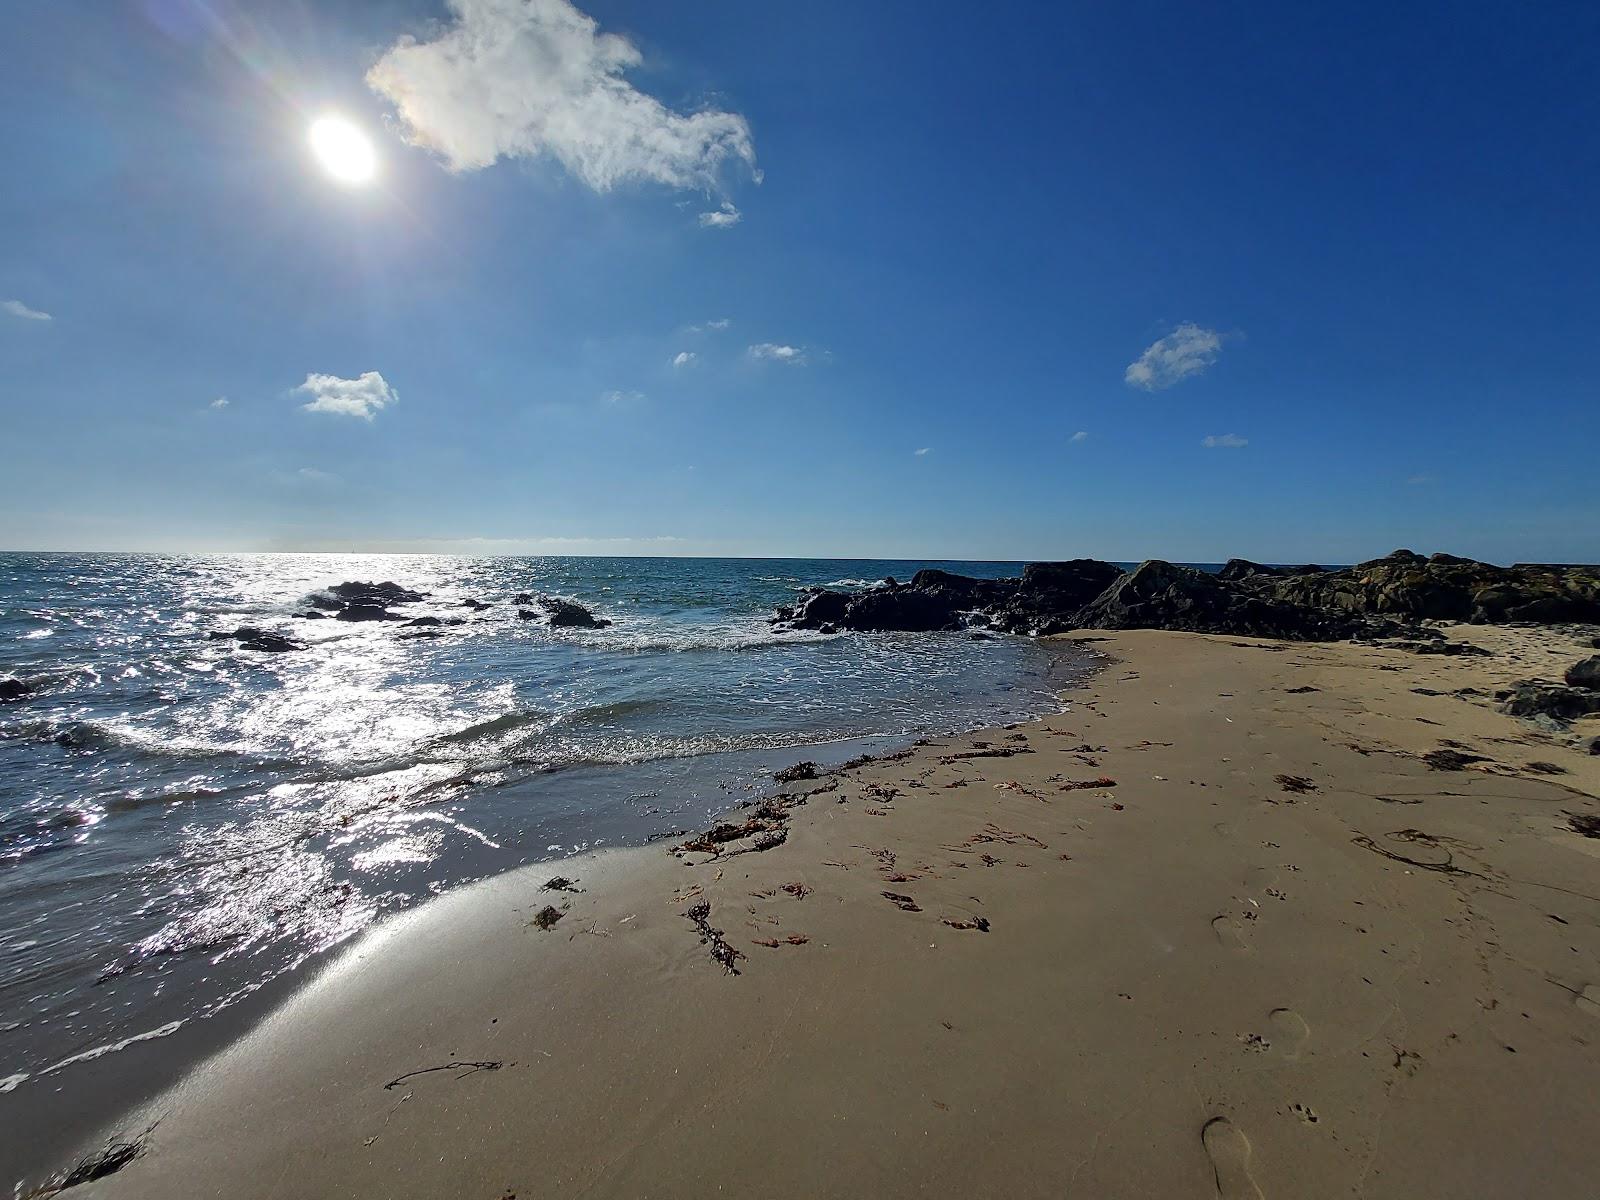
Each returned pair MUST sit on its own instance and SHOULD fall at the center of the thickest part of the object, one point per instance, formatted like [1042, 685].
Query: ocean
[185, 824]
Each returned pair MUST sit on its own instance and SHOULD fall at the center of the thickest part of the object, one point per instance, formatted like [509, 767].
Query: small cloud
[924, 450]
[18, 309]
[620, 397]
[794, 356]
[716, 326]
[312, 475]
[535, 78]
[720, 324]
[1081, 436]
[684, 358]
[220, 402]
[1420, 480]
[1224, 441]
[1187, 350]
[363, 396]
[724, 218]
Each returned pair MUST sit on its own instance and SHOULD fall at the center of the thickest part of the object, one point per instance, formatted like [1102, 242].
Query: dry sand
[1199, 981]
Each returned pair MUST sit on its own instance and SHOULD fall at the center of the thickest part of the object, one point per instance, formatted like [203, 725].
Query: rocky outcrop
[569, 614]
[1384, 598]
[12, 690]
[1539, 697]
[356, 601]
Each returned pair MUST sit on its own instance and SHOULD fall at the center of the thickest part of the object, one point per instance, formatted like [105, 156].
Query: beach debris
[700, 917]
[981, 924]
[1545, 768]
[1074, 785]
[798, 890]
[1011, 785]
[561, 884]
[464, 1067]
[985, 751]
[796, 773]
[547, 917]
[1294, 783]
[1452, 760]
[107, 1160]
[1585, 823]
[1447, 867]
[993, 833]
[904, 903]
[1300, 691]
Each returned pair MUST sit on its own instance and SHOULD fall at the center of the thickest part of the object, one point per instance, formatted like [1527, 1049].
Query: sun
[344, 151]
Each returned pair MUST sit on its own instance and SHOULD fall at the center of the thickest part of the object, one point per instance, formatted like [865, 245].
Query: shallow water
[182, 822]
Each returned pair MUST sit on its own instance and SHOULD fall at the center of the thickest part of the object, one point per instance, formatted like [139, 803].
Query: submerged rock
[12, 690]
[367, 612]
[251, 638]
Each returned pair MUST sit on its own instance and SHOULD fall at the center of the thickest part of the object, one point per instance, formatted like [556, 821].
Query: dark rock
[527, 614]
[422, 621]
[567, 614]
[366, 612]
[524, 598]
[312, 614]
[1537, 697]
[1585, 674]
[12, 690]
[475, 605]
[1384, 597]
[380, 594]
[251, 638]
[1594, 745]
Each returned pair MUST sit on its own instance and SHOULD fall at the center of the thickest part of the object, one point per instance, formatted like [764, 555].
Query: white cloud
[620, 397]
[1224, 441]
[220, 402]
[684, 358]
[716, 326]
[723, 323]
[794, 356]
[524, 78]
[18, 309]
[924, 450]
[312, 475]
[1081, 436]
[363, 396]
[724, 218]
[1187, 350]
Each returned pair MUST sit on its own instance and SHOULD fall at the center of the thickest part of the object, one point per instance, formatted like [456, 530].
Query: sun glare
[343, 150]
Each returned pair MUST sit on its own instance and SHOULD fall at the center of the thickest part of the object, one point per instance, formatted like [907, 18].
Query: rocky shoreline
[1385, 598]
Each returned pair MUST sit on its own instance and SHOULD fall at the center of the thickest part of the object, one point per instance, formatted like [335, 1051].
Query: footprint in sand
[1229, 932]
[1289, 1031]
[1229, 1152]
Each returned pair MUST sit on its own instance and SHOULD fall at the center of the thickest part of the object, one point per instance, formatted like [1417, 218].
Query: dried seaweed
[904, 903]
[981, 924]
[466, 1068]
[700, 916]
[1294, 783]
[547, 917]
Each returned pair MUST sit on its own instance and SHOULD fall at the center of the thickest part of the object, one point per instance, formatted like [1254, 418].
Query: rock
[524, 598]
[527, 614]
[1585, 674]
[422, 621]
[1383, 597]
[12, 690]
[1537, 697]
[1594, 745]
[312, 614]
[366, 612]
[380, 594]
[567, 614]
[251, 638]
[475, 605]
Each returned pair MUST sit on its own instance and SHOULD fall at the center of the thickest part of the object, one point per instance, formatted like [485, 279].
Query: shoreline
[947, 1020]
[81, 1090]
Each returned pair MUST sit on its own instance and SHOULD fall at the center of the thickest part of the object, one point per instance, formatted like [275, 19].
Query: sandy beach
[1230, 925]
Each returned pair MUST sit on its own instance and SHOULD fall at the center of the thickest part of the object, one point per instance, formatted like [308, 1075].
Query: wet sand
[1219, 929]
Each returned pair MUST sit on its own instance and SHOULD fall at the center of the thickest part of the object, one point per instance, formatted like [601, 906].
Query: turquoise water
[183, 822]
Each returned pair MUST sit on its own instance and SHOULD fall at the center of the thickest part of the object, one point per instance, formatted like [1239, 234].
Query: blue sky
[988, 281]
